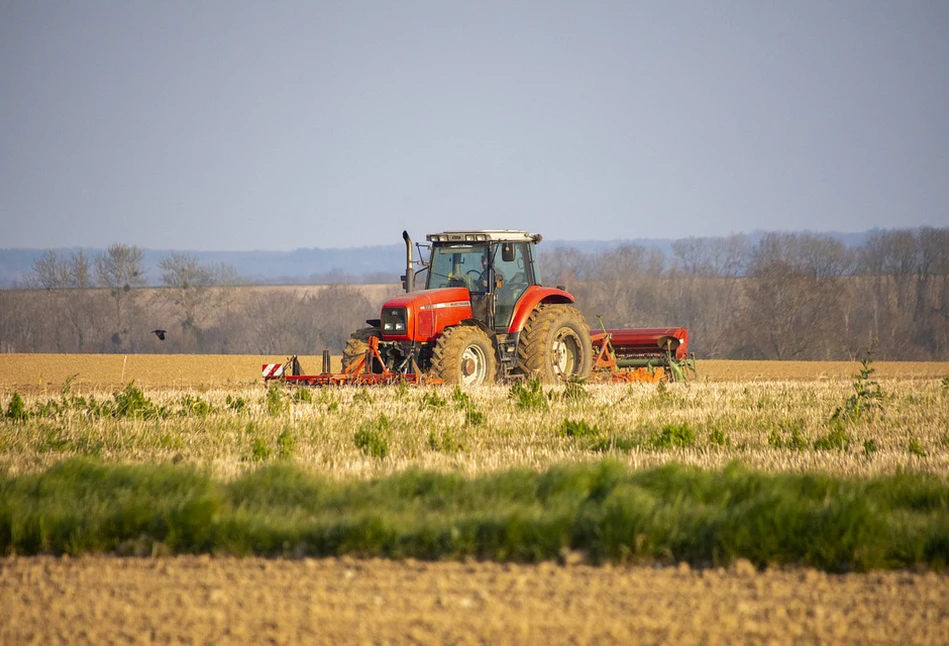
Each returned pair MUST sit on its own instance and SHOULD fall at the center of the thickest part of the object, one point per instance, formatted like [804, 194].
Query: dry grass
[750, 421]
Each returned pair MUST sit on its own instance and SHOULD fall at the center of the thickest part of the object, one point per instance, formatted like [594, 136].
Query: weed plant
[373, 438]
[528, 395]
[672, 436]
[867, 397]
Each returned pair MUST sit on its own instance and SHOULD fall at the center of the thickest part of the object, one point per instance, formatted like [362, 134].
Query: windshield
[459, 265]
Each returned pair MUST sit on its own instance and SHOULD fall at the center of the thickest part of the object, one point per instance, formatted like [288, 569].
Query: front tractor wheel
[555, 345]
[464, 355]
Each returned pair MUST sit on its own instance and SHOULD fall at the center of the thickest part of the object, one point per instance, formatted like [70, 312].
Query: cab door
[512, 277]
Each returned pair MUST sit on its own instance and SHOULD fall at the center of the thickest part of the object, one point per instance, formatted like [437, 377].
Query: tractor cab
[496, 267]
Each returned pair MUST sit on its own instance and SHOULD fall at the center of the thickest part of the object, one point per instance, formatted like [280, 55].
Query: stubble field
[773, 417]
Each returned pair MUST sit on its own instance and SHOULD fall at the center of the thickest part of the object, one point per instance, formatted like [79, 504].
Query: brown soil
[46, 373]
[107, 600]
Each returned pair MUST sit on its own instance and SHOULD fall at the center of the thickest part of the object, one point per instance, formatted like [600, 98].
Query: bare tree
[793, 296]
[49, 271]
[188, 285]
[893, 261]
[338, 311]
[120, 270]
[64, 278]
[932, 273]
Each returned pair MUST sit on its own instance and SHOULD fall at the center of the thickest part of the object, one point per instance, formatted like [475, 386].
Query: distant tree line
[788, 296]
[78, 303]
[785, 296]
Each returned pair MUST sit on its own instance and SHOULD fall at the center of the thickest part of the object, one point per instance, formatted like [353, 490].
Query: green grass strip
[610, 513]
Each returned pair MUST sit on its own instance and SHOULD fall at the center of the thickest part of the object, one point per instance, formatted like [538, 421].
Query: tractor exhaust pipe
[408, 280]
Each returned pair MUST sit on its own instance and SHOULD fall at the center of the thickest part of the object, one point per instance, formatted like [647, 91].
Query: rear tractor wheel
[555, 345]
[357, 346]
[465, 355]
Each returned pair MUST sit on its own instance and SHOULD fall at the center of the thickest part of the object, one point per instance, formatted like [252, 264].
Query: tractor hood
[422, 316]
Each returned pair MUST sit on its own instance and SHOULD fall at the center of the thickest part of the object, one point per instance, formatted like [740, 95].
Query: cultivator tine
[326, 362]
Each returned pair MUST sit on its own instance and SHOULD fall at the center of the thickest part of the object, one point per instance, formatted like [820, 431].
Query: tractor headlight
[393, 320]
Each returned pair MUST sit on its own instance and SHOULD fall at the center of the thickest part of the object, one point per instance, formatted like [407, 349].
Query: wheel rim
[473, 366]
[566, 353]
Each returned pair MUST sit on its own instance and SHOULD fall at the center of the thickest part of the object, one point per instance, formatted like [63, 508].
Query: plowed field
[102, 600]
[47, 372]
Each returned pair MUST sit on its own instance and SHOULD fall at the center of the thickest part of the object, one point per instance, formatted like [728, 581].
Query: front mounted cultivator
[355, 374]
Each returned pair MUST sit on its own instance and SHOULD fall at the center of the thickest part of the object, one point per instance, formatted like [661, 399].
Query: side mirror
[508, 252]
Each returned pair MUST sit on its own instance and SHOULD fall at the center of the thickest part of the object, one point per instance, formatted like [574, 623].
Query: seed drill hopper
[643, 354]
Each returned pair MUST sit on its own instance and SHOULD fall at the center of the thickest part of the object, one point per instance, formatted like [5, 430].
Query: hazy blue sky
[231, 125]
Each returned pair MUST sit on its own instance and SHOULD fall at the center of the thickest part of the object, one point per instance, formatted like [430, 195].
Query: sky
[233, 125]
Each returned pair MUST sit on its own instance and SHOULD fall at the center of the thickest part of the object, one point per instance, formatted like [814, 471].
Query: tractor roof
[494, 235]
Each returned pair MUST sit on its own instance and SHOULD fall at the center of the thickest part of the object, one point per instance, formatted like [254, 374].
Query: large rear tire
[555, 345]
[465, 355]
[357, 346]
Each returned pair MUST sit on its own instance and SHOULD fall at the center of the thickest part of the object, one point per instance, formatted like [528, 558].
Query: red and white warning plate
[272, 370]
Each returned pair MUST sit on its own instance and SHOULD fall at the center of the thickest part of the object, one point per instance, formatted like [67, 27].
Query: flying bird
[160, 334]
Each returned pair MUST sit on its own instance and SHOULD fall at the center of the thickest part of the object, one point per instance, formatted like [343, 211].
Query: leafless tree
[792, 296]
[119, 270]
[187, 282]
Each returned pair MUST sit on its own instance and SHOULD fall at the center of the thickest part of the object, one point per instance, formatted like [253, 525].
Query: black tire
[358, 344]
[465, 355]
[555, 345]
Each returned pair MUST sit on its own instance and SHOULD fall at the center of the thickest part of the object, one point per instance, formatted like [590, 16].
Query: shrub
[260, 451]
[131, 402]
[195, 406]
[621, 443]
[579, 428]
[16, 410]
[236, 404]
[67, 384]
[574, 390]
[867, 398]
[285, 443]
[673, 436]
[718, 437]
[362, 397]
[836, 440]
[401, 391]
[275, 401]
[915, 447]
[446, 441]
[302, 395]
[528, 395]
[473, 417]
[373, 438]
[432, 400]
[794, 439]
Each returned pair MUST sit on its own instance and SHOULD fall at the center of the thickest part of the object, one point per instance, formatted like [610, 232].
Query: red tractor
[482, 316]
